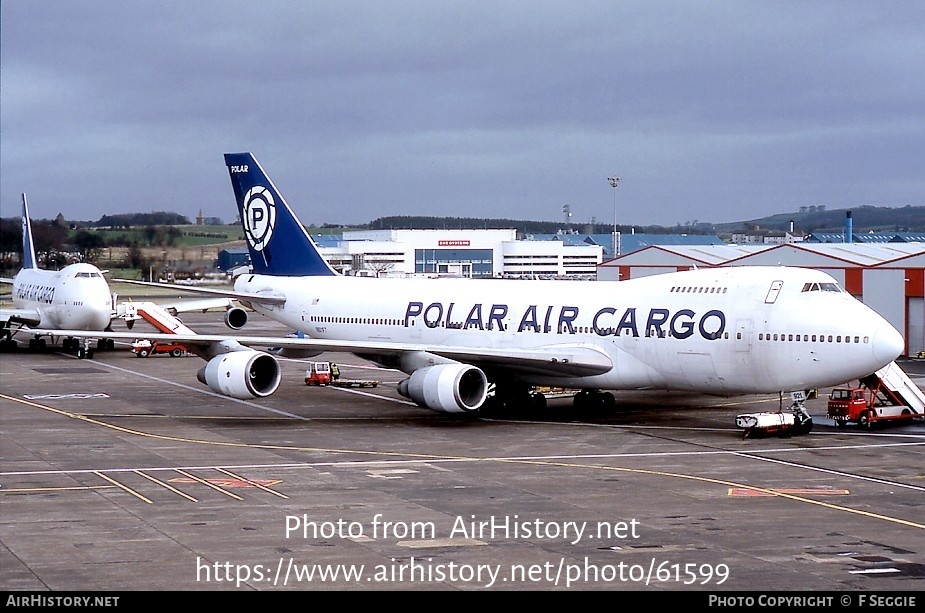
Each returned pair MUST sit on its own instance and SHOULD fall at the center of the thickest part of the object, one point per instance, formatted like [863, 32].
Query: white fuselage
[723, 331]
[74, 298]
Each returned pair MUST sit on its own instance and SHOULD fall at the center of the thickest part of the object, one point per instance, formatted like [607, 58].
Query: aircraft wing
[243, 297]
[204, 304]
[27, 317]
[558, 359]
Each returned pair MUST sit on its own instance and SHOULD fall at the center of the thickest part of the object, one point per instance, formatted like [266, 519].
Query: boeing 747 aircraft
[468, 344]
[76, 298]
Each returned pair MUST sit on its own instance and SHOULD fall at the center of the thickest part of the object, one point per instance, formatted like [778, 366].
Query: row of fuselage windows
[698, 290]
[373, 321]
[813, 338]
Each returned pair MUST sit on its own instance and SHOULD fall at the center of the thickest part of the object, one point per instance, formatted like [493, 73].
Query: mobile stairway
[154, 314]
[892, 396]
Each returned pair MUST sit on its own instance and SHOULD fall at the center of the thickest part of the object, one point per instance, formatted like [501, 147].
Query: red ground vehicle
[862, 406]
[328, 373]
[145, 348]
[318, 373]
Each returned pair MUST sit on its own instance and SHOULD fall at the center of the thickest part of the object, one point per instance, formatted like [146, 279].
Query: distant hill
[414, 222]
[864, 218]
[811, 219]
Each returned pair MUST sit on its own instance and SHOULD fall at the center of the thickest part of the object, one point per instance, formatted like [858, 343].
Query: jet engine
[447, 388]
[235, 318]
[241, 374]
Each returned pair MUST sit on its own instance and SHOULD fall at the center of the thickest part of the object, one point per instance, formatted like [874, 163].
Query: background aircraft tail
[278, 243]
[28, 247]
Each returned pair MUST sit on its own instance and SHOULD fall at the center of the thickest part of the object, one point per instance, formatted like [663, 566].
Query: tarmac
[127, 474]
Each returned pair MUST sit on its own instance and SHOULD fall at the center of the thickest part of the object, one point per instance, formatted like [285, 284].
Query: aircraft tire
[807, 426]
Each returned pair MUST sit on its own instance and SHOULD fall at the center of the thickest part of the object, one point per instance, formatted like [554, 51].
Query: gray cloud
[712, 111]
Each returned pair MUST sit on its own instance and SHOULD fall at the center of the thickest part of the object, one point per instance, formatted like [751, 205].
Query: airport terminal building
[484, 253]
[459, 253]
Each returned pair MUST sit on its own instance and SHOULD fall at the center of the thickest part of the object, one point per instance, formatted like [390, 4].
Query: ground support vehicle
[886, 395]
[145, 348]
[354, 383]
[780, 423]
[766, 424]
[320, 373]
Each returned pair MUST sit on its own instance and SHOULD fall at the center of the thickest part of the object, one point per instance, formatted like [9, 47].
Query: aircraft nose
[888, 344]
[92, 317]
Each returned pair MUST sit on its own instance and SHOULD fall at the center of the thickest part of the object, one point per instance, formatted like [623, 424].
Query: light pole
[614, 181]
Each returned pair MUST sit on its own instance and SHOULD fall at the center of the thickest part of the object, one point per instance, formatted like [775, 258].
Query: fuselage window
[814, 338]
[866, 339]
[775, 337]
[857, 339]
[838, 339]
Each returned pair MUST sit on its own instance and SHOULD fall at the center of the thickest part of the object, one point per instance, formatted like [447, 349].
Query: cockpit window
[821, 287]
[86, 275]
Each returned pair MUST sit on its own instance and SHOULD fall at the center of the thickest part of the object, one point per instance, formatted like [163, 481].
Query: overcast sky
[710, 111]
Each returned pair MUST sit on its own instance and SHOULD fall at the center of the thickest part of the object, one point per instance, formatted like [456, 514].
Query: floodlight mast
[614, 181]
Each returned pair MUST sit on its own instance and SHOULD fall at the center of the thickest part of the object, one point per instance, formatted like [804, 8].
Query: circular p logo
[259, 217]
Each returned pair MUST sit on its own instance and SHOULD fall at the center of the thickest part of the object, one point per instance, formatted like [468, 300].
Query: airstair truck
[887, 395]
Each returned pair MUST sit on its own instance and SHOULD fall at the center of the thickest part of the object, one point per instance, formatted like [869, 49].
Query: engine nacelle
[235, 318]
[447, 388]
[242, 374]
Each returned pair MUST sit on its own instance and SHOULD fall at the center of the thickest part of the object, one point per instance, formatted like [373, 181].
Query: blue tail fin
[28, 247]
[277, 241]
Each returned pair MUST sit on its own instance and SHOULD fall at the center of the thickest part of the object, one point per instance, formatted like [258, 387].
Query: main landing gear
[82, 347]
[511, 400]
